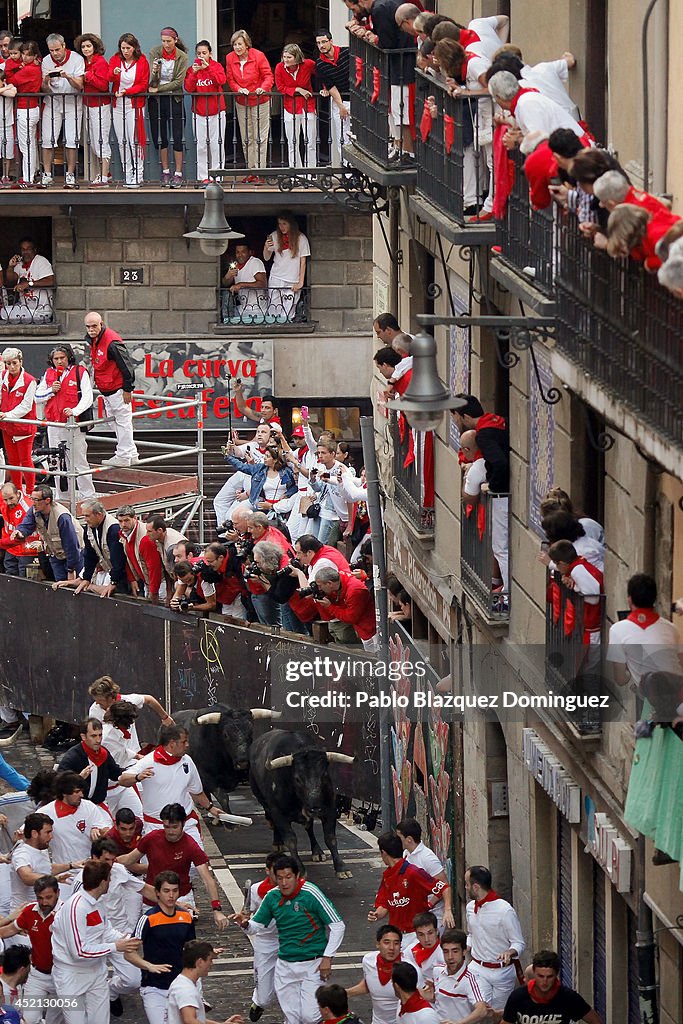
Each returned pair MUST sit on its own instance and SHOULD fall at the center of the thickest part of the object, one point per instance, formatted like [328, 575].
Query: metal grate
[527, 235]
[409, 480]
[476, 558]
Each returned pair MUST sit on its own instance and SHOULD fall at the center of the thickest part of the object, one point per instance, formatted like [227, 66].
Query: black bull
[291, 780]
[220, 739]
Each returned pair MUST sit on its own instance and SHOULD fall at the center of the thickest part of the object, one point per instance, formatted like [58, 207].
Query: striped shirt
[335, 72]
[163, 937]
[455, 995]
[81, 933]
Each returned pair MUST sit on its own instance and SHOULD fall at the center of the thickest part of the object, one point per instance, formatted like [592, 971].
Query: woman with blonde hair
[294, 79]
[288, 248]
[633, 231]
[250, 77]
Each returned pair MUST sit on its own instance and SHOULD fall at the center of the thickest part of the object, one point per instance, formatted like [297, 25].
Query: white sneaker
[116, 462]
[70, 180]
[132, 184]
[134, 460]
[45, 179]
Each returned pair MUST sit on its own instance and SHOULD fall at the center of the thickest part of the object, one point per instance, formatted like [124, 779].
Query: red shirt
[539, 167]
[11, 520]
[646, 201]
[164, 856]
[657, 227]
[115, 837]
[354, 605]
[256, 73]
[404, 890]
[207, 86]
[39, 930]
[96, 82]
[287, 83]
[333, 555]
[28, 78]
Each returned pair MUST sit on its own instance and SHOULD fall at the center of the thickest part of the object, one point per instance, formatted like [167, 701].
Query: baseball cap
[298, 432]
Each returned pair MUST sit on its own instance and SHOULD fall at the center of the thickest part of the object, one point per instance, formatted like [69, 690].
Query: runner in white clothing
[425, 954]
[415, 852]
[454, 991]
[186, 991]
[104, 692]
[376, 981]
[414, 1007]
[76, 823]
[494, 937]
[266, 944]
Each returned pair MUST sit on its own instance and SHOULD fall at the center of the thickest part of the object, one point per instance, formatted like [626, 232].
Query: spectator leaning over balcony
[584, 578]
[129, 73]
[531, 109]
[63, 72]
[336, 513]
[289, 249]
[557, 500]
[23, 71]
[104, 552]
[32, 278]
[587, 166]
[144, 569]
[332, 69]
[60, 532]
[250, 77]
[670, 275]
[633, 231]
[14, 504]
[564, 525]
[97, 103]
[205, 80]
[17, 400]
[294, 79]
[66, 392]
[549, 77]
[114, 376]
[168, 66]
[493, 441]
[386, 327]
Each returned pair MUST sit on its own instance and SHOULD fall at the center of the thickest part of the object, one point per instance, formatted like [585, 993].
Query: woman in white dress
[289, 249]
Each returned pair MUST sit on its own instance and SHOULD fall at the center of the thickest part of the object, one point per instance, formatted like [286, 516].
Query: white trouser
[473, 186]
[500, 538]
[191, 828]
[124, 796]
[27, 129]
[494, 984]
[224, 502]
[132, 154]
[340, 134]
[40, 986]
[125, 977]
[265, 961]
[399, 116]
[295, 985]
[305, 124]
[61, 112]
[209, 131]
[115, 406]
[7, 140]
[76, 461]
[299, 524]
[90, 985]
[372, 644]
[155, 1002]
[99, 126]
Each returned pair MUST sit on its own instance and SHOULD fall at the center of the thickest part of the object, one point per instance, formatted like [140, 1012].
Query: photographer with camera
[280, 579]
[315, 555]
[347, 599]
[188, 591]
[218, 572]
[336, 513]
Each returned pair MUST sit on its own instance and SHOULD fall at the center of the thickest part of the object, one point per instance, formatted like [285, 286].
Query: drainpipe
[394, 220]
[646, 93]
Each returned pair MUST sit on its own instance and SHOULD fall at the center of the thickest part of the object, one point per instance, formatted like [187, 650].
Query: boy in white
[377, 967]
[425, 954]
[63, 72]
[414, 1007]
[454, 990]
[247, 282]
[186, 991]
[76, 823]
[266, 944]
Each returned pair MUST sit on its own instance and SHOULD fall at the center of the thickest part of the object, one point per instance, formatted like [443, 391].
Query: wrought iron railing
[268, 306]
[527, 236]
[623, 329]
[450, 148]
[477, 556]
[382, 101]
[413, 475]
[31, 306]
[573, 662]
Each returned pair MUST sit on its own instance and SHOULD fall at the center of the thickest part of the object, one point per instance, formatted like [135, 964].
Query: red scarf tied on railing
[426, 121]
[448, 132]
[359, 72]
[376, 84]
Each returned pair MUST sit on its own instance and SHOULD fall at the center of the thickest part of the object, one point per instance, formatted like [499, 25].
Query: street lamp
[426, 399]
[213, 231]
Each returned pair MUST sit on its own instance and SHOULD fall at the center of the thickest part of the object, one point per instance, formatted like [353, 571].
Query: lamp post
[213, 231]
[426, 398]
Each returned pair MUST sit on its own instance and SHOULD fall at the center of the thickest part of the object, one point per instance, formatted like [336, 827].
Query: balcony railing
[477, 554]
[623, 328]
[413, 475]
[32, 307]
[128, 139]
[382, 93]
[270, 306]
[528, 240]
[573, 664]
[451, 149]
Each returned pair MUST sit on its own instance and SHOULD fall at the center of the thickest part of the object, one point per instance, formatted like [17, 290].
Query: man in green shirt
[310, 932]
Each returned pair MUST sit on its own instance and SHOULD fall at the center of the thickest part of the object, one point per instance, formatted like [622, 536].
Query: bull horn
[211, 718]
[332, 755]
[257, 713]
[10, 739]
[280, 762]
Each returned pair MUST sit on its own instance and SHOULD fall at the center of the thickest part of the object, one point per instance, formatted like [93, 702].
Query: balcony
[477, 565]
[29, 312]
[623, 329]
[277, 308]
[413, 476]
[573, 666]
[377, 76]
[450, 154]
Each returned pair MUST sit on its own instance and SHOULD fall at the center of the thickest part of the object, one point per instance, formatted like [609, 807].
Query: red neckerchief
[299, 886]
[244, 263]
[127, 67]
[303, 451]
[26, 265]
[124, 732]
[169, 56]
[97, 758]
[522, 92]
[543, 997]
[490, 896]
[63, 810]
[162, 756]
[384, 968]
[285, 242]
[335, 57]
[265, 886]
[643, 617]
[416, 1002]
[491, 419]
[60, 63]
[467, 36]
[420, 953]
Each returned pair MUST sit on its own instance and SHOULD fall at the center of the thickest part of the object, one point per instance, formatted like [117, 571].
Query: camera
[312, 591]
[55, 458]
[208, 574]
[183, 604]
[225, 528]
[254, 574]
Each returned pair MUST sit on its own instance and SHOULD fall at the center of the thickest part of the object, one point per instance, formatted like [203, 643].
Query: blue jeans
[329, 532]
[267, 610]
[15, 565]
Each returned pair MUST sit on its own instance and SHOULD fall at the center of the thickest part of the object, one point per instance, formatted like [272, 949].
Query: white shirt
[492, 929]
[122, 750]
[286, 268]
[401, 369]
[549, 77]
[25, 856]
[122, 902]
[593, 530]
[74, 65]
[590, 549]
[170, 784]
[333, 504]
[184, 992]
[656, 648]
[489, 40]
[535, 112]
[167, 68]
[39, 268]
[10, 995]
[267, 940]
[138, 701]
[251, 298]
[424, 1016]
[71, 832]
[127, 77]
[81, 934]
[428, 966]
[423, 857]
[455, 994]
[385, 1003]
[475, 477]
